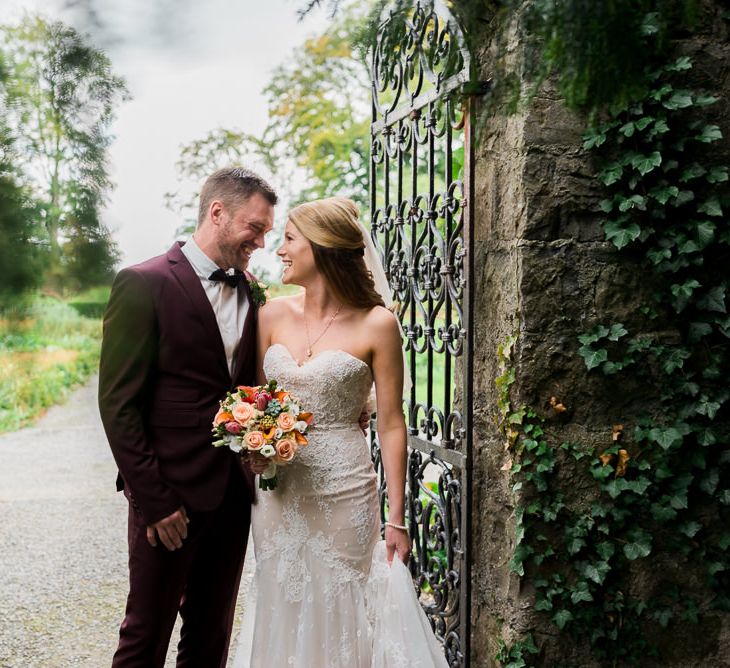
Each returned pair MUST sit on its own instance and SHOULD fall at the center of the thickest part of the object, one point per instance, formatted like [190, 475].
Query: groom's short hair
[233, 186]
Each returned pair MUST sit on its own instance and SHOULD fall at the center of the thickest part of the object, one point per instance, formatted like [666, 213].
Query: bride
[329, 593]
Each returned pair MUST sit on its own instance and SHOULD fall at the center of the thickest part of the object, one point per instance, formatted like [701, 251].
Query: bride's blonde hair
[330, 225]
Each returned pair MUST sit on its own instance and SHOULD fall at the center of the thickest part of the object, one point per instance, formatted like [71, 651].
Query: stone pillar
[545, 274]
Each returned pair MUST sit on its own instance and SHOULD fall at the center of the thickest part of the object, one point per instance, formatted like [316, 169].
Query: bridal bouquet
[262, 419]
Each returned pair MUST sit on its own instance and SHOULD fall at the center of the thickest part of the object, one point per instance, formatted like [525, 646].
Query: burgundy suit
[163, 371]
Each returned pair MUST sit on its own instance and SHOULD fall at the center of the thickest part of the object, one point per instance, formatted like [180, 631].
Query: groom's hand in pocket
[172, 530]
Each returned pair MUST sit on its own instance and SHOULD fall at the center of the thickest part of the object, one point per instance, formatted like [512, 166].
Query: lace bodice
[334, 385]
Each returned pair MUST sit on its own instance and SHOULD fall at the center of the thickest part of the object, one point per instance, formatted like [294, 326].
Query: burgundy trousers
[199, 580]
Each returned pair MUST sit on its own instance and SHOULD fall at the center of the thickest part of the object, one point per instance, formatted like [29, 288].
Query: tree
[19, 252]
[61, 96]
[317, 141]
[319, 112]
[201, 157]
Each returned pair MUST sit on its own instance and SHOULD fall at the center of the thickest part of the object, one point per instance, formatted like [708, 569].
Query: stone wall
[545, 274]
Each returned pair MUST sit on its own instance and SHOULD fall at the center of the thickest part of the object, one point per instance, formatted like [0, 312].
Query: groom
[179, 332]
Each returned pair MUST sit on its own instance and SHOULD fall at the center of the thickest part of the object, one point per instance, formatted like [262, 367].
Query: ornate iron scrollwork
[420, 222]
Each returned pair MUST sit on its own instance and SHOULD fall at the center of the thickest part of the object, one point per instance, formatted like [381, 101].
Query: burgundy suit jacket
[163, 371]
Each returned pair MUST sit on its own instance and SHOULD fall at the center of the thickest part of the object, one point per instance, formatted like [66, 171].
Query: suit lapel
[249, 327]
[190, 283]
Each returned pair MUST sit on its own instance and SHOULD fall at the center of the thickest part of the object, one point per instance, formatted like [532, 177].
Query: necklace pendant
[309, 352]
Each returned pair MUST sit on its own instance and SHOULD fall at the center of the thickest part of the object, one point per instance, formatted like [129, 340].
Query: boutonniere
[259, 292]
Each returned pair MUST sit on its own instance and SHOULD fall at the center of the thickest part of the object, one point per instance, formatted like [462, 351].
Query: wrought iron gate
[421, 220]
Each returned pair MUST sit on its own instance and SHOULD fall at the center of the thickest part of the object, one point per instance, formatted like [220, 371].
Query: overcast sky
[191, 66]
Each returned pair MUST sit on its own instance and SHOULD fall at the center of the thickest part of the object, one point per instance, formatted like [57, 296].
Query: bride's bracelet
[402, 527]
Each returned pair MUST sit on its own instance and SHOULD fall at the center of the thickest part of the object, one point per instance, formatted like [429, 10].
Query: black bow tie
[234, 280]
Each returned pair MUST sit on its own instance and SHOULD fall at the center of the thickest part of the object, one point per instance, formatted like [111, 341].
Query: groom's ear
[215, 211]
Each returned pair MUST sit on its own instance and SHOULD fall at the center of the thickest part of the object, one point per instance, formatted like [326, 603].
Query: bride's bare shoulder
[382, 321]
[279, 306]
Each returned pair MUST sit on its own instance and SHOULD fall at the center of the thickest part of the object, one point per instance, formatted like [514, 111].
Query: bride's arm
[387, 366]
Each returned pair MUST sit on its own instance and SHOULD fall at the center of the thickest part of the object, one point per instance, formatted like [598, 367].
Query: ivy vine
[662, 486]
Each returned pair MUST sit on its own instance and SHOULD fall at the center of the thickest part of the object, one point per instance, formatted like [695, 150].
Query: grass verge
[46, 349]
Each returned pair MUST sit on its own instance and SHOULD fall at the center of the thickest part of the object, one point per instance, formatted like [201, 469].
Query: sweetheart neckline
[318, 355]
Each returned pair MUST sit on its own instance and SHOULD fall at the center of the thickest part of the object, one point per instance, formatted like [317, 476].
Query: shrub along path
[63, 553]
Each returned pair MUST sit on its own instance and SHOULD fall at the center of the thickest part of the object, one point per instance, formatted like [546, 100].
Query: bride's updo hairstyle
[330, 225]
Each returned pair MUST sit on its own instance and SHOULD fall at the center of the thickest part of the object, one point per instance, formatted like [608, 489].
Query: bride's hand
[397, 540]
[256, 462]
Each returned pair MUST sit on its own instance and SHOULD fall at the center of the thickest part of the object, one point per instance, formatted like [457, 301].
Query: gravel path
[63, 552]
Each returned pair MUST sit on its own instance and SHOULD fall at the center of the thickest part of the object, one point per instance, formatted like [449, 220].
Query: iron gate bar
[425, 239]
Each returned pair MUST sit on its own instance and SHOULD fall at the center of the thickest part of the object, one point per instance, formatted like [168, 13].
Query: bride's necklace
[311, 344]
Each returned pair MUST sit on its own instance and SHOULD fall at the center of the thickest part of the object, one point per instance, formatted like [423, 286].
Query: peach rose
[286, 421]
[285, 450]
[254, 440]
[243, 412]
[222, 416]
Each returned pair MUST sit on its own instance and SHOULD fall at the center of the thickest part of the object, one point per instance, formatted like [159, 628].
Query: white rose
[268, 450]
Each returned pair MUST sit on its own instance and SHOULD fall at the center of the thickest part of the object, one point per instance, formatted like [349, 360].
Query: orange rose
[243, 413]
[285, 451]
[222, 416]
[254, 440]
[286, 421]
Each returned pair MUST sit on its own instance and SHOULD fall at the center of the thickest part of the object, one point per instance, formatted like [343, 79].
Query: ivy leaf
[683, 293]
[593, 139]
[562, 617]
[635, 201]
[694, 171]
[628, 129]
[714, 300]
[663, 194]
[606, 205]
[707, 407]
[706, 437]
[660, 127]
[616, 332]
[666, 438]
[605, 550]
[709, 134]
[705, 232]
[709, 482]
[689, 528]
[711, 207]
[684, 197]
[639, 547]
[593, 358]
[581, 593]
[680, 99]
[698, 330]
[611, 173]
[718, 175]
[675, 360]
[680, 65]
[704, 100]
[621, 236]
[645, 163]
[663, 513]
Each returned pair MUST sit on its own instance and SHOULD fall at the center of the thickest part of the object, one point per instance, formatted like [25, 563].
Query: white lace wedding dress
[325, 595]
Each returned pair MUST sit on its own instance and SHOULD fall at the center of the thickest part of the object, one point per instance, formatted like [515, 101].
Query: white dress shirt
[230, 305]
